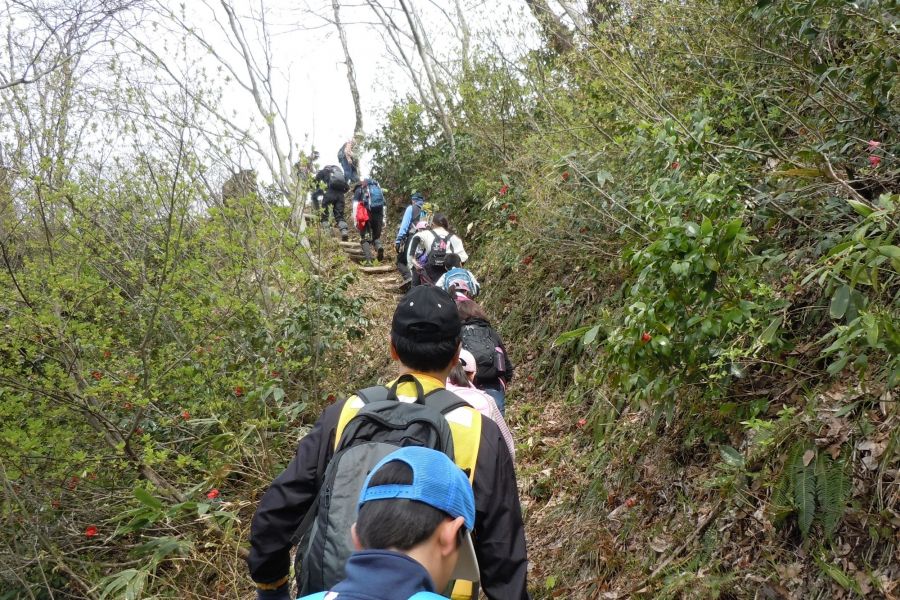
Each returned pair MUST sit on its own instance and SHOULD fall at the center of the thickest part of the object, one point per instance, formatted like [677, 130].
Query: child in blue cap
[412, 533]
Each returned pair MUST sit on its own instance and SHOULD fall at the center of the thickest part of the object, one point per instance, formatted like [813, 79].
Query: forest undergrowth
[685, 219]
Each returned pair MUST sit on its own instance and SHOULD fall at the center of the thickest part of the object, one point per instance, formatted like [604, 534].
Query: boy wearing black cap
[413, 531]
[425, 339]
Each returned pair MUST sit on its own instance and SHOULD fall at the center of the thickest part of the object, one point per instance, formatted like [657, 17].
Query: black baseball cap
[426, 314]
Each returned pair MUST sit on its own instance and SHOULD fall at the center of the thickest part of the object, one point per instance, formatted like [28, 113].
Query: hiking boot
[380, 254]
[344, 236]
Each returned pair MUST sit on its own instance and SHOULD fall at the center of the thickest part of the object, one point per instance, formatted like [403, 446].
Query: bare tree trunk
[432, 81]
[558, 35]
[351, 73]
[465, 37]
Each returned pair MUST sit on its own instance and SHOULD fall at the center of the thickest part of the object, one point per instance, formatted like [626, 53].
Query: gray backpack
[381, 426]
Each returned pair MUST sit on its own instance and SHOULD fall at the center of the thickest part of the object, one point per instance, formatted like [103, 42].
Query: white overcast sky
[309, 61]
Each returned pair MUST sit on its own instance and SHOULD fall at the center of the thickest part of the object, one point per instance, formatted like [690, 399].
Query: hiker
[349, 161]
[412, 534]
[460, 383]
[494, 369]
[437, 243]
[332, 178]
[412, 215]
[458, 280]
[416, 258]
[350, 437]
[369, 216]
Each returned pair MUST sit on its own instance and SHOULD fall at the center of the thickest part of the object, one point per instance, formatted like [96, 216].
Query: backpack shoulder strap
[319, 596]
[465, 427]
[354, 403]
[426, 596]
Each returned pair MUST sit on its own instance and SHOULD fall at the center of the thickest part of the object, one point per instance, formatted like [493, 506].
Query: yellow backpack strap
[351, 407]
[465, 425]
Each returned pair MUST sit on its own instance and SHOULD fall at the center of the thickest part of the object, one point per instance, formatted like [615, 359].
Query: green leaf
[706, 227]
[691, 229]
[803, 479]
[768, 334]
[861, 207]
[732, 229]
[569, 336]
[146, 498]
[889, 251]
[732, 457]
[871, 325]
[832, 492]
[278, 394]
[838, 575]
[591, 335]
[839, 302]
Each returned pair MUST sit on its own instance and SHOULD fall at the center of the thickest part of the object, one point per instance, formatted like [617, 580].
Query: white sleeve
[440, 282]
[456, 246]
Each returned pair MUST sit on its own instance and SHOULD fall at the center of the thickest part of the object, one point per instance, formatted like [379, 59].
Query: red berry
[185, 415]
[504, 206]
[583, 230]
[582, 422]
[97, 375]
[527, 260]
[107, 354]
[675, 165]
[212, 494]
[55, 504]
[646, 337]
[280, 350]
[276, 374]
[873, 144]
[503, 190]
[513, 218]
[565, 176]
[631, 502]
[331, 398]
[139, 430]
[128, 406]
[874, 160]
[91, 531]
[238, 391]
[73, 482]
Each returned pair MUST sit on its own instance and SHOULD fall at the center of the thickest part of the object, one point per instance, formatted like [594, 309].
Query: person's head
[425, 331]
[441, 220]
[469, 309]
[417, 199]
[463, 372]
[452, 261]
[418, 502]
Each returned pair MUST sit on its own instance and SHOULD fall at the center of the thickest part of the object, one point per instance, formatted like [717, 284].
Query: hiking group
[405, 490]
[330, 187]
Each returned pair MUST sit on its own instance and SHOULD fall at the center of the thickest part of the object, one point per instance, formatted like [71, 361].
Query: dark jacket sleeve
[508, 374]
[499, 531]
[287, 500]
[509, 363]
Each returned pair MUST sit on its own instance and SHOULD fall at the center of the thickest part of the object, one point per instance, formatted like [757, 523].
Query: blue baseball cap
[437, 482]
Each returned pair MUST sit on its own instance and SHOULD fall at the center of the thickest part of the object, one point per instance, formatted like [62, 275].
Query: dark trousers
[402, 267]
[371, 234]
[335, 200]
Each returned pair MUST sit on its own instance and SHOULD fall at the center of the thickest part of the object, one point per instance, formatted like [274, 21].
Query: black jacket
[499, 533]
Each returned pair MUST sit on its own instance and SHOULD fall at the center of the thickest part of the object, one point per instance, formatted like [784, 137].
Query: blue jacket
[406, 223]
[382, 575]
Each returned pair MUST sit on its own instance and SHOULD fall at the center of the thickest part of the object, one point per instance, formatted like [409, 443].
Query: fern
[803, 482]
[832, 492]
